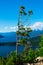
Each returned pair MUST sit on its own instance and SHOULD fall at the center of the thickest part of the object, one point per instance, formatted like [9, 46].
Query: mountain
[36, 33]
[8, 37]
[11, 36]
[35, 40]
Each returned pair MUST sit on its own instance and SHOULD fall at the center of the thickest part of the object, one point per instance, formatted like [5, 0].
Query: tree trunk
[16, 49]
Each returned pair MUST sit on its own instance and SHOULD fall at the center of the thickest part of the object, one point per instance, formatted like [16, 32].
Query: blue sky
[9, 10]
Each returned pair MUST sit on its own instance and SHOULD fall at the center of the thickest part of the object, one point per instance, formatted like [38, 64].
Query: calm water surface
[5, 50]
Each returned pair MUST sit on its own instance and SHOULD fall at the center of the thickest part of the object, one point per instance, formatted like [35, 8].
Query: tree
[11, 59]
[40, 50]
[2, 61]
[30, 57]
[22, 32]
[41, 42]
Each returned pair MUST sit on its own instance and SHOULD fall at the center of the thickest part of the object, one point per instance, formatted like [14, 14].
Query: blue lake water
[5, 50]
[11, 37]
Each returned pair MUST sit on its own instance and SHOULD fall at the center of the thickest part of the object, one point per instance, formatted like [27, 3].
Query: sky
[9, 11]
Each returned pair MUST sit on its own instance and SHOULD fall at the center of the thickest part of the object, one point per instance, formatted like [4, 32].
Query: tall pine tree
[22, 32]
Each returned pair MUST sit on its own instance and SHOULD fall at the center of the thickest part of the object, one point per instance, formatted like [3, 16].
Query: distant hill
[8, 37]
[11, 36]
[36, 37]
[35, 40]
[1, 36]
[35, 33]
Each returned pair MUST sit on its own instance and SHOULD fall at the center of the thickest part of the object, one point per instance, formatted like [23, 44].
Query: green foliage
[35, 41]
[20, 59]
[36, 53]
[18, 33]
[29, 29]
[10, 63]
[22, 32]
[30, 57]
[11, 59]
[41, 42]
[26, 34]
[2, 61]
[22, 28]
[40, 51]
[30, 12]
[22, 11]
[12, 56]
[22, 7]
[23, 41]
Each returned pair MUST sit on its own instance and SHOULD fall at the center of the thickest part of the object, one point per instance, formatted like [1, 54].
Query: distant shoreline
[7, 43]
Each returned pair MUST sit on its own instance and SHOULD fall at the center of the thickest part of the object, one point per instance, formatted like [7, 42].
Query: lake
[5, 50]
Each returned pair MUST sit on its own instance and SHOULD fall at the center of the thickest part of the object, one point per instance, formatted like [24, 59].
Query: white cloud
[13, 28]
[9, 29]
[37, 26]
